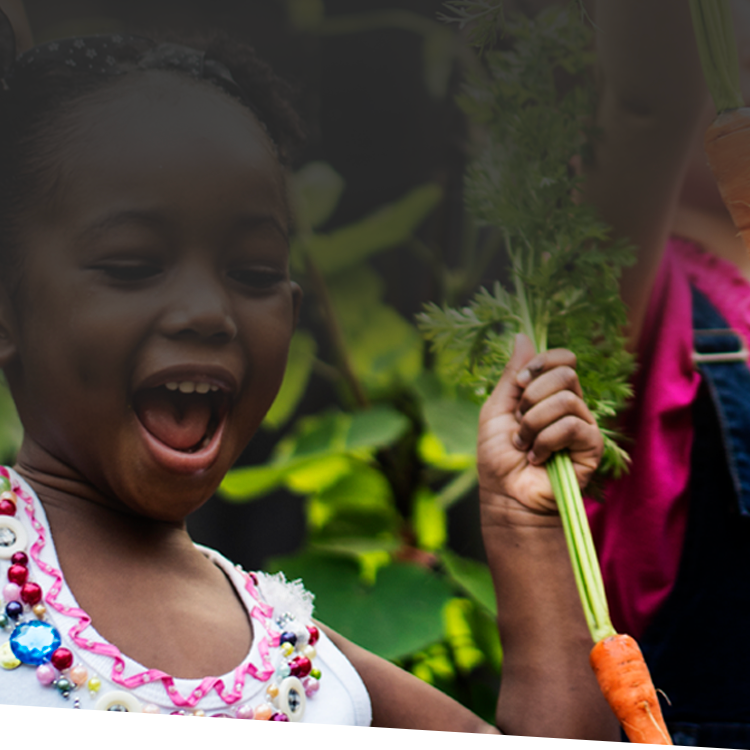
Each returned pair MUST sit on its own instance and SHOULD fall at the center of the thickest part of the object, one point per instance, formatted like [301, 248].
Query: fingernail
[532, 457]
[517, 442]
[523, 378]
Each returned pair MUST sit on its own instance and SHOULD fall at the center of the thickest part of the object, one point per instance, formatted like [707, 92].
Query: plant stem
[712, 21]
[583, 558]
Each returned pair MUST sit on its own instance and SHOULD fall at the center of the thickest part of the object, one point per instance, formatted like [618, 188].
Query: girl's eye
[131, 272]
[257, 279]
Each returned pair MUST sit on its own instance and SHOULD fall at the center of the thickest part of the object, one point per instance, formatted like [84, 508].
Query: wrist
[499, 511]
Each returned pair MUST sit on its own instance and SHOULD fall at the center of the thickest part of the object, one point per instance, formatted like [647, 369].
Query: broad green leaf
[429, 520]
[454, 422]
[433, 453]
[317, 474]
[317, 434]
[473, 577]
[11, 430]
[400, 614]
[317, 190]
[305, 15]
[248, 483]
[375, 428]
[296, 377]
[459, 634]
[387, 228]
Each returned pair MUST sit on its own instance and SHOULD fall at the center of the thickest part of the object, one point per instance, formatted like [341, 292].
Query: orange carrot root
[626, 683]
[727, 145]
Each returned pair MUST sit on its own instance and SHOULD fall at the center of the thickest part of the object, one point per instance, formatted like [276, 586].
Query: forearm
[548, 688]
[652, 98]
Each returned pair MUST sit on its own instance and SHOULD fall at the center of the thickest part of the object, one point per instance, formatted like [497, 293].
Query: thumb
[506, 393]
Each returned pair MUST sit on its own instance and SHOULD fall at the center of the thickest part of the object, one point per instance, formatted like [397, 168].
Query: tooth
[173, 386]
[202, 388]
[214, 388]
[187, 386]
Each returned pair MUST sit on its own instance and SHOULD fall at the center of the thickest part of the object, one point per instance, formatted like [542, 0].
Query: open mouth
[185, 417]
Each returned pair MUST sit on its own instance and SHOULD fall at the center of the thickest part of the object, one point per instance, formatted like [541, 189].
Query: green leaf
[317, 191]
[400, 614]
[387, 228]
[375, 428]
[429, 520]
[241, 485]
[298, 369]
[11, 430]
[473, 577]
[454, 423]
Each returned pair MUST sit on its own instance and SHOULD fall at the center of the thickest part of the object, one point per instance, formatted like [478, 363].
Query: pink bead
[179, 739]
[12, 592]
[311, 687]
[245, 712]
[261, 740]
[193, 726]
[152, 735]
[46, 674]
[150, 708]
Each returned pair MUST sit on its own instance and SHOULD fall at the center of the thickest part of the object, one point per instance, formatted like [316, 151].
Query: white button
[291, 699]
[118, 715]
[13, 537]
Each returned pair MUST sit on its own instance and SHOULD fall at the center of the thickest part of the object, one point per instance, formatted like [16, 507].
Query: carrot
[727, 145]
[626, 683]
[617, 661]
[727, 140]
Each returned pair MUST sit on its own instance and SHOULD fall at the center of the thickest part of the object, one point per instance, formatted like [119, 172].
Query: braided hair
[42, 89]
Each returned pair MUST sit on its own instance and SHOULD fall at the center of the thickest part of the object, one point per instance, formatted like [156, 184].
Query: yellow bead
[39, 610]
[287, 649]
[199, 712]
[309, 652]
[7, 657]
[272, 691]
[95, 684]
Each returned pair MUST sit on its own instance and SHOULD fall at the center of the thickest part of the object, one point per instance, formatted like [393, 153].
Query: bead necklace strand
[35, 642]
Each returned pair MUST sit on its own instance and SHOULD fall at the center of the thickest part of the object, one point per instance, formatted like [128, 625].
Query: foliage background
[362, 479]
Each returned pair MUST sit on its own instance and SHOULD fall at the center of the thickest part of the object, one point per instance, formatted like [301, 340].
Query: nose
[198, 307]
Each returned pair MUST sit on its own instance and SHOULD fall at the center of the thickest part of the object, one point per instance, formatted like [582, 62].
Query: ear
[8, 329]
[297, 296]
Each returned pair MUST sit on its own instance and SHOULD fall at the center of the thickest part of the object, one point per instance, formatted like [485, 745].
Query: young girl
[674, 534]
[145, 315]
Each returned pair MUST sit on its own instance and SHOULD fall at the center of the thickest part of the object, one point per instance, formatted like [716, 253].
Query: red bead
[7, 508]
[18, 574]
[176, 720]
[300, 666]
[61, 659]
[19, 558]
[31, 593]
[314, 634]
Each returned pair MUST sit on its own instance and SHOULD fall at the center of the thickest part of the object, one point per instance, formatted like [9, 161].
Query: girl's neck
[715, 232]
[145, 585]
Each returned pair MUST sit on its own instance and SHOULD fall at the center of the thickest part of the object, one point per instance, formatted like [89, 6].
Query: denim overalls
[698, 645]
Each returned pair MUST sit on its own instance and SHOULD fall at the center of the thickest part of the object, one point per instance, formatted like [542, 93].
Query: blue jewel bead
[288, 638]
[34, 642]
[14, 610]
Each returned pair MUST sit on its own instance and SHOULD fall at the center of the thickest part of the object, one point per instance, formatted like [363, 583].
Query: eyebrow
[154, 220]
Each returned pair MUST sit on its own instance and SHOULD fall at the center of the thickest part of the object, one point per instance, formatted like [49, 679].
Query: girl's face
[156, 308]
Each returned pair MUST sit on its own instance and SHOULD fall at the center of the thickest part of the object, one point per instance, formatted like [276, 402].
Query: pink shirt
[640, 527]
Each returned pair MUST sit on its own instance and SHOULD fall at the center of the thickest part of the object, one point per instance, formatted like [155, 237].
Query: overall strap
[721, 355]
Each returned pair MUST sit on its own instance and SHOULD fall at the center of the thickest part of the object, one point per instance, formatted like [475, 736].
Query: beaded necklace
[286, 643]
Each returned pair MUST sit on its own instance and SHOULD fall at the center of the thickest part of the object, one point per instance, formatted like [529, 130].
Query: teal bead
[64, 686]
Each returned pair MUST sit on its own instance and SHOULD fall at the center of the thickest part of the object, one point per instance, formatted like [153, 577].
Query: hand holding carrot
[536, 409]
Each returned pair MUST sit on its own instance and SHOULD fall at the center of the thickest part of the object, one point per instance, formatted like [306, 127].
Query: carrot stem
[581, 549]
[712, 22]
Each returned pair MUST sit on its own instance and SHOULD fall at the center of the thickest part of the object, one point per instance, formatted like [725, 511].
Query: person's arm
[16, 12]
[548, 688]
[652, 101]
